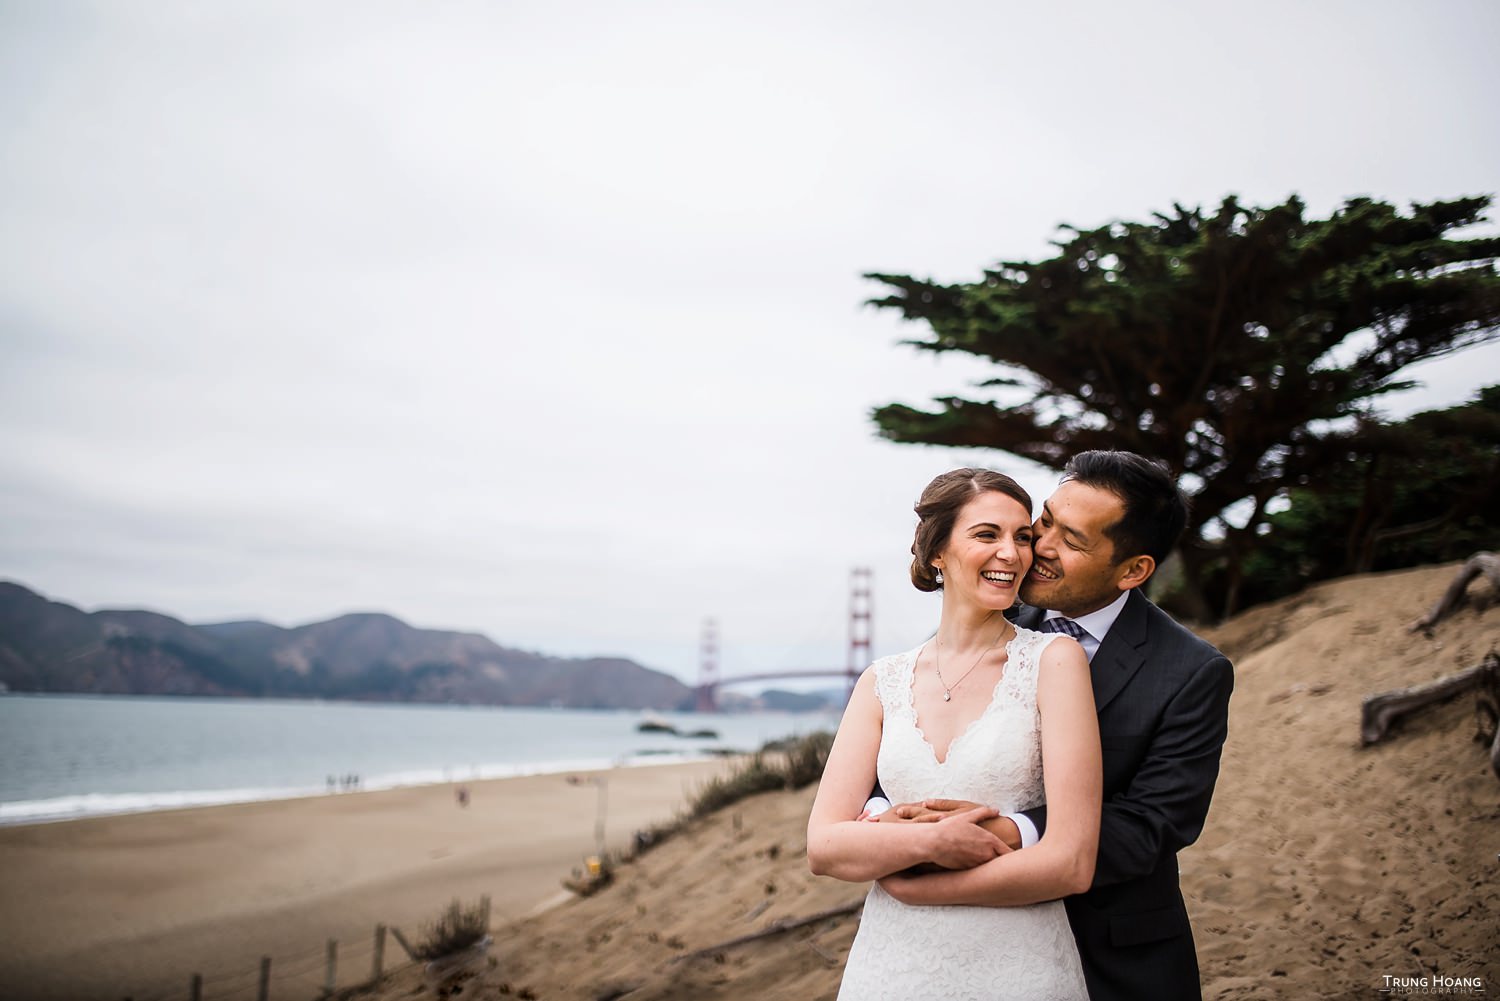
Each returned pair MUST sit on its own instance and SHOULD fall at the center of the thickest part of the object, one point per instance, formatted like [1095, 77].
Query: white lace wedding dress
[907, 953]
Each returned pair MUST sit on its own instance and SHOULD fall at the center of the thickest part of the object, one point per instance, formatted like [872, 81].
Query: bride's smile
[987, 555]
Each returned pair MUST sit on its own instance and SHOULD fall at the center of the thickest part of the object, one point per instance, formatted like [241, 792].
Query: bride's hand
[961, 843]
[956, 848]
[930, 811]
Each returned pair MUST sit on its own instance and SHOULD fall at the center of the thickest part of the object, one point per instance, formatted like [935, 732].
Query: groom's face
[1075, 570]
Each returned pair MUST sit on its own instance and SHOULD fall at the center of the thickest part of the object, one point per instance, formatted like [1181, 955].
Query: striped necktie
[1066, 626]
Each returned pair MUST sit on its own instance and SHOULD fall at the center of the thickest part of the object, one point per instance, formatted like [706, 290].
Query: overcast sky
[545, 320]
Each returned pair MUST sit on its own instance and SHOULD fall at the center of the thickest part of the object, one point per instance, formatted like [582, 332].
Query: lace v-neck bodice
[904, 952]
[995, 760]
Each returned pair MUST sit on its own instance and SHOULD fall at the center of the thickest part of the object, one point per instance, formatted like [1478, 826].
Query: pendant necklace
[937, 662]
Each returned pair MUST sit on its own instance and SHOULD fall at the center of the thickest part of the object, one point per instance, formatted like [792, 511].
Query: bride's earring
[939, 578]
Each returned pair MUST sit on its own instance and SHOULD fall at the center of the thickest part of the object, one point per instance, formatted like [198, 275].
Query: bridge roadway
[773, 675]
[707, 700]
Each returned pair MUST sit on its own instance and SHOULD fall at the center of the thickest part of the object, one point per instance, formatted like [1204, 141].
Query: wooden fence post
[375, 972]
[264, 993]
[484, 906]
[196, 990]
[333, 966]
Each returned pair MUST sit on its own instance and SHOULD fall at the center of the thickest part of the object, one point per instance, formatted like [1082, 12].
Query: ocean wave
[77, 807]
[96, 804]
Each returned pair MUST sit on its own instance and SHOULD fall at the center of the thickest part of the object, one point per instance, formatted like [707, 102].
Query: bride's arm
[838, 845]
[1062, 862]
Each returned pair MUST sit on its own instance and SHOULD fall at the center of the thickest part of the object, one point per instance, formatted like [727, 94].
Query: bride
[983, 712]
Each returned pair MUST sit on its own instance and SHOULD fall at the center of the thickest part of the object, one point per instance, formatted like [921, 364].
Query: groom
[1163, 700]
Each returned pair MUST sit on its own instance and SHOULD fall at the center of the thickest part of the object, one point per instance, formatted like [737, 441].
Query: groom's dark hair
[1156, 510]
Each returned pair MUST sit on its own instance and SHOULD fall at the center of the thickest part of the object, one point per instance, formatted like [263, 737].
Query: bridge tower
[708, 669]
[861, 624]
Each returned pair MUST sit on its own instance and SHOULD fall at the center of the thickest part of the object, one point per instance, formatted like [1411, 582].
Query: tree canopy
[1241, 346]
[1423, 490]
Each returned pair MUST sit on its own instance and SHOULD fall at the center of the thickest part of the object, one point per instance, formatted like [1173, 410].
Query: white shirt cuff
[878, 805]
[1029, 835]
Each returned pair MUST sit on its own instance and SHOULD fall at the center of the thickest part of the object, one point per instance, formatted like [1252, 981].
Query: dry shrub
[785, 764]
[456, 930]
[790, 763]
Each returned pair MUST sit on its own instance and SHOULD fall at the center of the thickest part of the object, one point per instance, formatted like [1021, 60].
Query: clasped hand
[960, 842]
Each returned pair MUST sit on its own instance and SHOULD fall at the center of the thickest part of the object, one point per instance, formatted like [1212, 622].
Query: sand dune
[1324, 867]
[1328, 866]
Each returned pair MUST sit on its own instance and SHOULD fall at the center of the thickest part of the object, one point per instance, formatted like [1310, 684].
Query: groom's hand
[930, 811]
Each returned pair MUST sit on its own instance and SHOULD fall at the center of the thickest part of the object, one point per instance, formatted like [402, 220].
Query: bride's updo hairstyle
[938, 509]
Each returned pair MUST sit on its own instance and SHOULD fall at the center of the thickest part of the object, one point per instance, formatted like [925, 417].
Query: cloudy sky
[545, 320]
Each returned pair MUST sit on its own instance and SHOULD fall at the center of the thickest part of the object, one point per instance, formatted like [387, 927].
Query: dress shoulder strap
[893, 682]
[1026, 656]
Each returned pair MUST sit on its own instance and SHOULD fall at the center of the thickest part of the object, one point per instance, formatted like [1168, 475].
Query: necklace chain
[937, 663]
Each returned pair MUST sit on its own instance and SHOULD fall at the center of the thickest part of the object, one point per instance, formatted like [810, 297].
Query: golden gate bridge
[860, 622]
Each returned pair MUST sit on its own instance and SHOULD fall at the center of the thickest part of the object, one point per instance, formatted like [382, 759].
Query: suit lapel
[1122, 652]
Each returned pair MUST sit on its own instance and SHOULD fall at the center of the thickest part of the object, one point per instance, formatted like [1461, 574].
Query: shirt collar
[1098, 623]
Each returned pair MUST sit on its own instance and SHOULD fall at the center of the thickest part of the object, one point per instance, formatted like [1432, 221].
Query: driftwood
[774, 928]
[1487, 709]
[1379, 713]
[1481, 564]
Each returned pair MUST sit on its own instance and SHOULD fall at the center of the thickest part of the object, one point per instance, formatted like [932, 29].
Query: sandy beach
[133, 905]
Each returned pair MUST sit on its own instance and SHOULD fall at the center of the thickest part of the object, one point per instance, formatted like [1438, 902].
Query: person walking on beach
[987, 712]
[1162, 696]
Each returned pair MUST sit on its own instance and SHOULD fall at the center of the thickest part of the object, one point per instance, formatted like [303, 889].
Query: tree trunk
[1356, 545]
[1189, 598]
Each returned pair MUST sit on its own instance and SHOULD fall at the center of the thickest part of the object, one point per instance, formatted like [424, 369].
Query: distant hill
[49, 646]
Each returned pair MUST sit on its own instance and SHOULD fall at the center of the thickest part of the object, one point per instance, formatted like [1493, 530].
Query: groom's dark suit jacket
[1163, 700]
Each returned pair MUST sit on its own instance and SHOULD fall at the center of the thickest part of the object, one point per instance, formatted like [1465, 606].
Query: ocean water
[71, 756]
